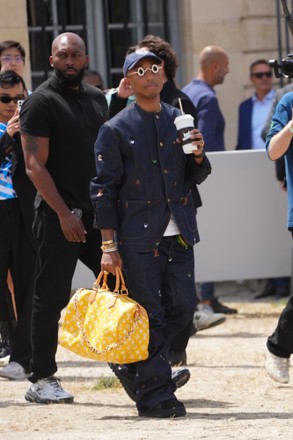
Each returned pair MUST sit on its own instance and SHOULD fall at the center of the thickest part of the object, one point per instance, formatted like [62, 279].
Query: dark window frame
[47, 19]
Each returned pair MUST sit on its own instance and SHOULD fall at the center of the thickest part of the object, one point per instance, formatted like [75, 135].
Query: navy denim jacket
[142, 177]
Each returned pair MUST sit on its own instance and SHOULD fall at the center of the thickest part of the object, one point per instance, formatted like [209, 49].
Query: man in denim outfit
[142, 195]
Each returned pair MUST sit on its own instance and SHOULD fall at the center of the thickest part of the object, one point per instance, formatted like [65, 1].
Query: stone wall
[246, 29]
[13, 26]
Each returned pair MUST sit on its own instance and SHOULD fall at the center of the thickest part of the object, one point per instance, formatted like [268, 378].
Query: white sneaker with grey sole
[4, 360]
[48, 390]
[204, 319]
[277, 367]
[14, 371]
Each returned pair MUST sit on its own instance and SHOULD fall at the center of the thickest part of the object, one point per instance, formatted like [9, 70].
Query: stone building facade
[246, 29]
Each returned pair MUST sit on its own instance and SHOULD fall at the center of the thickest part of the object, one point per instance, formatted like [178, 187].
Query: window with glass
[127, 22]
[47, 19]
[108, 28]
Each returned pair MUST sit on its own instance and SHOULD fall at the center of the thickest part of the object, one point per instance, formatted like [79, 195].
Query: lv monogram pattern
[105, 326]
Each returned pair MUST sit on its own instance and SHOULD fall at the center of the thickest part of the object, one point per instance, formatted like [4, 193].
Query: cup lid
[185, 116]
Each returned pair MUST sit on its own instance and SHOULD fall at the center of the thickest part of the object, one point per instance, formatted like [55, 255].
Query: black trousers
[280, 343]
[17, 253]
[57, 259]
[10, 224]
[6, 305]
[23, 292]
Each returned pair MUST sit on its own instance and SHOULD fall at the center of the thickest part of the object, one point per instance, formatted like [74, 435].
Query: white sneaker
[4, 360]
[204, 308]
[205, 318]
[48, 390]
[13, 371]
[277, 367]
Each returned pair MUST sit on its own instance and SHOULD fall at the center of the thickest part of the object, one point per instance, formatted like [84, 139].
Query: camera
[283, 69]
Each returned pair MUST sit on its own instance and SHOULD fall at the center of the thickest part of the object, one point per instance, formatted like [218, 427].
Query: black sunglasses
[6, 99]
[261, 74]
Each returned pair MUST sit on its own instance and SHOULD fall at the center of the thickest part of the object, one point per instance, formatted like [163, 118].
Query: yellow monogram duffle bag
[104, 325]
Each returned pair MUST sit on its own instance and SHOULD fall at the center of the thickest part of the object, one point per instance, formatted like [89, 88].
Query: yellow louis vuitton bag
[104, 325]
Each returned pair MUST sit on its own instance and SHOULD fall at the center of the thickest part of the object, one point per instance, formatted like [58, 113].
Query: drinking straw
[180, 105]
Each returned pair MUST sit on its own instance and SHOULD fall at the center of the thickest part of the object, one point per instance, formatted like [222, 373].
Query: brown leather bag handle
[120, 286]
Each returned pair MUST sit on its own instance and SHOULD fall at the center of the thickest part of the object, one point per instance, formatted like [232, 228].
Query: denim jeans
[163, 282]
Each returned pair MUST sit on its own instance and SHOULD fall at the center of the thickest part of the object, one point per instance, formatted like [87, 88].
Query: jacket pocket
[135, 217]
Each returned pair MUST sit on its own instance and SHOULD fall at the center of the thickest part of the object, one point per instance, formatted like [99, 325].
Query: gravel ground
[229, 395]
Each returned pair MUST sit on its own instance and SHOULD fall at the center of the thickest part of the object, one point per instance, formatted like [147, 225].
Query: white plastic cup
[184, 123]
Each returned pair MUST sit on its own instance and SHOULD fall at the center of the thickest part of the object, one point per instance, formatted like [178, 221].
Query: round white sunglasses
[141, 71]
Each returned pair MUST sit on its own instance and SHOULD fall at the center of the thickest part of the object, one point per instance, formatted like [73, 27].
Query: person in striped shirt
[17, 246]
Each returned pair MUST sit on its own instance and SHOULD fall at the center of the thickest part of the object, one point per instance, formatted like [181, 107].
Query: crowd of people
[75, 185]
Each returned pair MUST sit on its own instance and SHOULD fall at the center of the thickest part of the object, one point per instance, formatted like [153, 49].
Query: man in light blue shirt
[260, 110]
[253, 112]
[214, 66]
[253, 115]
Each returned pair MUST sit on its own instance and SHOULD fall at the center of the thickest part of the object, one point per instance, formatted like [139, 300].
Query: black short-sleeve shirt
[71, 120]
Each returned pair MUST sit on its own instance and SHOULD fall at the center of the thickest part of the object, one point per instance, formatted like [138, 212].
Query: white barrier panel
[242, 223]
[243, 220]
[83, 277]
